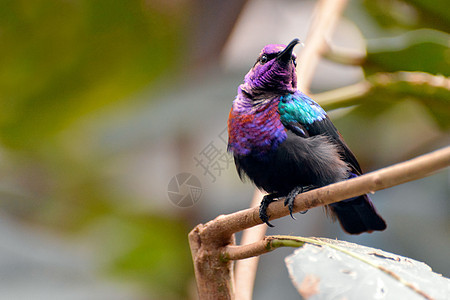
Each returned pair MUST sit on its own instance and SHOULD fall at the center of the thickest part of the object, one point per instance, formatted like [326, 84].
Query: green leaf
[410, 14]
[420, 50]
[433, 13]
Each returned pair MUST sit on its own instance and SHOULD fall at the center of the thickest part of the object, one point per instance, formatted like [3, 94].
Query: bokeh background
[103, 102]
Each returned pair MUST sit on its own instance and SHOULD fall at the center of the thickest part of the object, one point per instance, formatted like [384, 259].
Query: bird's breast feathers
[255, 132]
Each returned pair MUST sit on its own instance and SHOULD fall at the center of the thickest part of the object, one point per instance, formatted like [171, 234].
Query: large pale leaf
[334, 269]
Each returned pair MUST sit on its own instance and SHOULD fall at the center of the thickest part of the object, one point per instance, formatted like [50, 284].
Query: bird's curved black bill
[286, 55]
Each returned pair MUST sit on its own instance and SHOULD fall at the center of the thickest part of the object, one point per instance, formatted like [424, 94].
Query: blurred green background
[103, 102]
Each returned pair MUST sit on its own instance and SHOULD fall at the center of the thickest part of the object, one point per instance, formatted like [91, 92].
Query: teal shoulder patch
[299, 108]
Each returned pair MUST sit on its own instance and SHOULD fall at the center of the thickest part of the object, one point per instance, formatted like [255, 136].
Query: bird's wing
[306, 118]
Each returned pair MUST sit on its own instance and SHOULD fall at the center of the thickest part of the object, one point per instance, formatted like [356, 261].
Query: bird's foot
[267, 199]
[289, 201]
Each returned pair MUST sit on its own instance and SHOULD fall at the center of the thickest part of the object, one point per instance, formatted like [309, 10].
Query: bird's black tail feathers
[358, 215]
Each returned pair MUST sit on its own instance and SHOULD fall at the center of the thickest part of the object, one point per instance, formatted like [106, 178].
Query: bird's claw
[289, 201]
[267, 199]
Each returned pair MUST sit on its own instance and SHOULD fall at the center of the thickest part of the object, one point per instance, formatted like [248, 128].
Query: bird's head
[274, 70]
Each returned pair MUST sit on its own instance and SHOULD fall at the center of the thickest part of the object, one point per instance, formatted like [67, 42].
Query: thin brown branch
[384, 178]
[245, 271]
[343, 95]
[353, 94]
[248, 251]
[343, 56]
[265, 245]
[327, 14]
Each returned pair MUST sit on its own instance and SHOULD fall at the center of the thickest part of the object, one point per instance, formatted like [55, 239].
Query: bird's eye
[263, 59]
[295, 61]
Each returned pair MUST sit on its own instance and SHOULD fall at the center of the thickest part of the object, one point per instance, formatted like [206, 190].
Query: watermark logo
[184, 190]
[213, 159]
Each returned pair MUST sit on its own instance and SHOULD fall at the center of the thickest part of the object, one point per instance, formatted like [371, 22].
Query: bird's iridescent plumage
[284, 141]
[257, 129]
